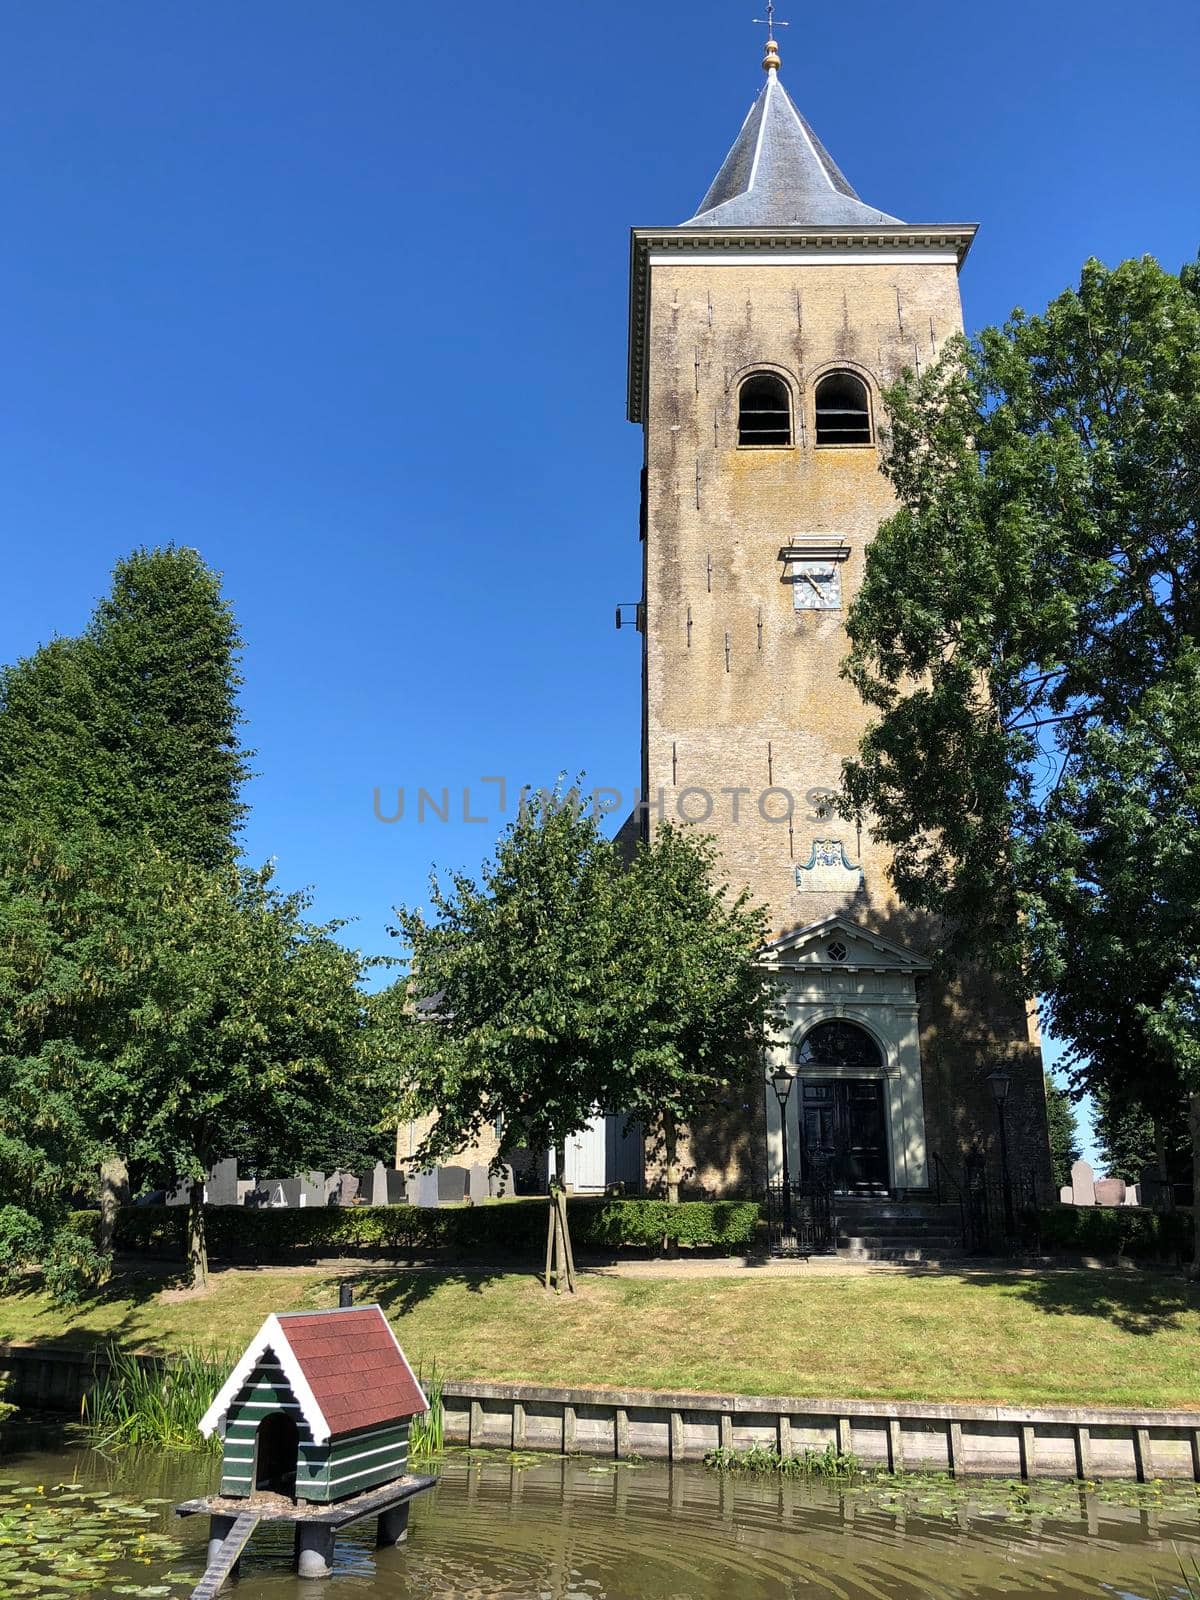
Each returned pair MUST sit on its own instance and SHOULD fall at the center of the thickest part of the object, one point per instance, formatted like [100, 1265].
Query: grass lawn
[1086, 1338]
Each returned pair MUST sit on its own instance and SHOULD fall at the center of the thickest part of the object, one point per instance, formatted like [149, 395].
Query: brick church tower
[762, 333]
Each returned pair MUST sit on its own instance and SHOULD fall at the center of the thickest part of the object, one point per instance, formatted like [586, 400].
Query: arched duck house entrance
[277, 1446]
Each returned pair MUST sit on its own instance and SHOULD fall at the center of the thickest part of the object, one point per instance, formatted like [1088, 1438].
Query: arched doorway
[843, 1127]
[276, 1447]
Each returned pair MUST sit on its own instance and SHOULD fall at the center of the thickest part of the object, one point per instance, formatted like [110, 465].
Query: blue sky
[337, 294]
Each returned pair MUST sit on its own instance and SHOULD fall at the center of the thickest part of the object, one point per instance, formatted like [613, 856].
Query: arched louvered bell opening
[765, 412]
[843, 410]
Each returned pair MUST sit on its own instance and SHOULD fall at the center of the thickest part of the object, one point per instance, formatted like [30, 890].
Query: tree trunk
[1194, 1126]
[670, 1248]
[1166, 1196]
[560, 1262]
[196, 1239]
[114, 1193]
[671, 1139]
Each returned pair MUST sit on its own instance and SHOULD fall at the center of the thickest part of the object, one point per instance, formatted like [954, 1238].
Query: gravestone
[423, 1189]
[500, 1183]
[312, 1188]
[1083, 1184]
[222, 1186]
[290, 1190]
[245, 1188]
[1067, 1196]
[342, 1189]
[1153, 1189]
[396, 1189]
[451, 1185]
[478, 1187]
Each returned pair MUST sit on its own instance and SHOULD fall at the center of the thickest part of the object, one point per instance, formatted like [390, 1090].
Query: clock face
[817, 586]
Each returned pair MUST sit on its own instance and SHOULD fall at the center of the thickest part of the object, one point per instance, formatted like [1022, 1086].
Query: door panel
[843, 1129]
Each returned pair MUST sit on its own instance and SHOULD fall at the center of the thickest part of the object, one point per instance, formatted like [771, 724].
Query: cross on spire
[768, 22]
[771, 58]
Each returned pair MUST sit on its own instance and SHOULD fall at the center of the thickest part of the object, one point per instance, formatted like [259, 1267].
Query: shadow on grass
[1136, 1302]
[132, 1289]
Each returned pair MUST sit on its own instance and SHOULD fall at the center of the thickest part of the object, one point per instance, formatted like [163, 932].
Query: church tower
[763, 331]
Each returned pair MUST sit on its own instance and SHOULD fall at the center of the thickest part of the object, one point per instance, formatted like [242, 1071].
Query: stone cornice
[814, 242]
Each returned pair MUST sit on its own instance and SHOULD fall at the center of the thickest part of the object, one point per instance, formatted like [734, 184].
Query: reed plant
[427, 1434]
[139, 1401]
[1191, 1580]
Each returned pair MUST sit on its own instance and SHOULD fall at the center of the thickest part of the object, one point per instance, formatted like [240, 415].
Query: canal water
[535, 1528]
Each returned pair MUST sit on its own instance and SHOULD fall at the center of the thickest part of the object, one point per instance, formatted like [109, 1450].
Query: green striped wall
[324, 1472]
[267, 1390]
[362, 1460]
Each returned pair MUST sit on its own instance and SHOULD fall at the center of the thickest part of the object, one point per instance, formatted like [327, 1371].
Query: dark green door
[843, 1131]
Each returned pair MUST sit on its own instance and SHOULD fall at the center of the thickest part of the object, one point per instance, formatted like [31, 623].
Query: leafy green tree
[565, 983]
[132, 728]
[175, 1014]
[513, 998]
[1027, 634]
[1063, 1125]
[698, 1013]
[1132, 1140]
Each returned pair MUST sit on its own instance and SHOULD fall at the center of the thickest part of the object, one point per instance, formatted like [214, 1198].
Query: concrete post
[314, 1550]
[392, 1527]
[218, 1532]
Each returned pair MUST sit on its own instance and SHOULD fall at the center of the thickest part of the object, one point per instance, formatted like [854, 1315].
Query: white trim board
[791, 258]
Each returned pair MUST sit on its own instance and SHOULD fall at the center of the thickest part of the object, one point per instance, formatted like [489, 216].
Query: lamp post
[1000, 1080]
[781, 1082]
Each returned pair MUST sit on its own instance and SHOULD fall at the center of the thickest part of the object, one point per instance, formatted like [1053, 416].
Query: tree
[1027, 635]
[698, 1011]
[511, 999]
[129, 732]
[175, 1014]
[1133, 1142]
[1063, 1126]
[132, 728]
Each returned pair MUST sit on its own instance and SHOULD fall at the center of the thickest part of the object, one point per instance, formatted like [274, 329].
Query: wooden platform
[274, 1508]
[232, 1521]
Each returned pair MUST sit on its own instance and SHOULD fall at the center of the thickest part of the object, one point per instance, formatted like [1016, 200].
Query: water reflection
[547, 1529]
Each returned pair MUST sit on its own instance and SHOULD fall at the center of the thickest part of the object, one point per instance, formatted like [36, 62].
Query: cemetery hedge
[1110, 1231]
[242, 1233]
[246, 1233]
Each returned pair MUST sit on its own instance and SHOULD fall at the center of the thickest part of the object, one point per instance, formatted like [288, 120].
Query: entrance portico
[851, 1039]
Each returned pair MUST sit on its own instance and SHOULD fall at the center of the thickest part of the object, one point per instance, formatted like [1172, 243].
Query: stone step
[880, 1208]
[906, 1241]
[915, 1255]
[897, 1229]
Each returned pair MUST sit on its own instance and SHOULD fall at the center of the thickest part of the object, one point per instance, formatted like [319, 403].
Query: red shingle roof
[354, 1367]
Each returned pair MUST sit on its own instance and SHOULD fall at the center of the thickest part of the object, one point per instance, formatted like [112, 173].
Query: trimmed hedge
[240, 1232]
[1130, 1231]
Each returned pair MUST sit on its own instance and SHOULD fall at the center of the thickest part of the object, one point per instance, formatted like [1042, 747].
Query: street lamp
[1000, 1081]
[781, 1081]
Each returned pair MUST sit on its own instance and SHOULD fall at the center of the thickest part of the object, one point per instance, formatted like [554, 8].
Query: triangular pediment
[821, 944]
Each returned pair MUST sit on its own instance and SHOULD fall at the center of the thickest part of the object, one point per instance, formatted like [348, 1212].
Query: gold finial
[771, 61]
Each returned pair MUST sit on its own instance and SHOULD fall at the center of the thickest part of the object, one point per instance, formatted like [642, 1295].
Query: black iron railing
[992, 1221]
[800, 1219]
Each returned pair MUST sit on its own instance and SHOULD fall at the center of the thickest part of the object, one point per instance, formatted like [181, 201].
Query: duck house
[317, 1409]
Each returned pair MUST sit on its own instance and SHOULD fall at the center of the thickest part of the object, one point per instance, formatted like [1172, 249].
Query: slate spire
[779, 174]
